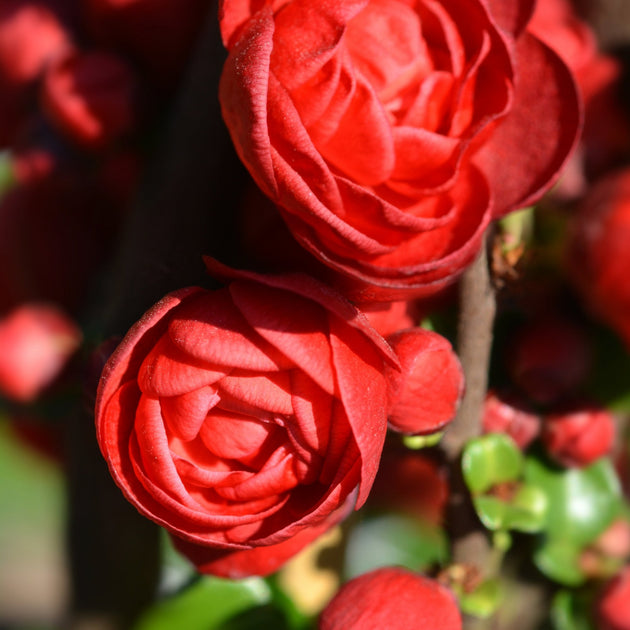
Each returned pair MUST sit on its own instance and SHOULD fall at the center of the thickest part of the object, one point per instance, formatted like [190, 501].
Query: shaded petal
[526, 152]
[242, 438]
[257, 561]
[362, 146]
[234, 14]
[363, 393]
[511, 16]
[308, 34]
[303, 339]
[185, 414]
[167, 371]
[270, 392]
[209, 328]
[277, 477]
[126, 360]
[311, 289]
[243, 95]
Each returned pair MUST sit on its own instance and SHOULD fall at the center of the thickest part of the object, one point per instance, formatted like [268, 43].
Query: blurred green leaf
[559, 561]
[489, 460]
[417, 442]
[266, 616]
[7, 177]
[582, 501]
[206, 605]
[394, 539]
[570, 611]
[484, 601]
[526, 512]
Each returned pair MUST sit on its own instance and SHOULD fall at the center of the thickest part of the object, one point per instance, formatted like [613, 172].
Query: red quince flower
[31, 36]
[508, 414]
[390, 133]
[606, 135]
[425, 393]
[392, 597]
[247, 416]
[90, 97]
[36, 340]
[599, 256]
[613, 607]
[580, 435]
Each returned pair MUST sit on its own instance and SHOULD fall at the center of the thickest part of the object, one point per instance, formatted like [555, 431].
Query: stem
[470, 545]
[477, 305]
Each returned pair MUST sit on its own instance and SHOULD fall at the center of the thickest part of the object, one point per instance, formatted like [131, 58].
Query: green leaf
[417, 442]
[392, 539]
[526, 512]
[7, 176]
[582, 502]
[491, 459]
[570, 611]
[484, 601]
[256, 618]
[205, 605]
[559, 561]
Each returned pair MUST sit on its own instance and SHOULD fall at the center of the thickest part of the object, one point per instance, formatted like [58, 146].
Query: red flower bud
[579, 436]
[613, 608]
[35, 342]
[391, 598]
[424, 395]
[90, 97]
[31, 36]
[614, 541]
[600, 256]
[507, 414]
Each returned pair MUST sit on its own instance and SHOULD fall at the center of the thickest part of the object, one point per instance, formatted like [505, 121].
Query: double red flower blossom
[253, 416]
[389, 134]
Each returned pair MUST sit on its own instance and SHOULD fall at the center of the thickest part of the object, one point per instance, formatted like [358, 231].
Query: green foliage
[489, 460]
[583, 502]
[207, 604]
[484, 601]
[559, 560]
[570, 611]
[525, 512]
[394, 539]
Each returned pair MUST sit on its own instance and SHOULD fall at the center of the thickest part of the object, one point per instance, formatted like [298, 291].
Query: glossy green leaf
[484, 601]
[266, 616]
[205, 605]
[394, 539]
[582, 501]
[490, 459]
[417, 442]
[7, 176]
[570, 611]
[526, 512]
[559, 561]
